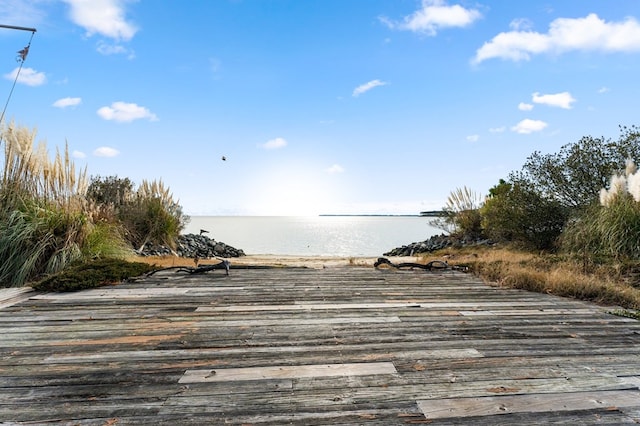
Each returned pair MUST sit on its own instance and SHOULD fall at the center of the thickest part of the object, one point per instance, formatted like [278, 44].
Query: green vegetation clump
[519, 214]
[551, 204]
[610, 229]
[86, 275]
[44, 217]
[148, 214]
[51, 217]
[577, 215]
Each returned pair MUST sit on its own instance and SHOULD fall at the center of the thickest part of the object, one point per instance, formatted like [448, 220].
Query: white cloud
[497, 129]
[433, 16]
[525, 107]
[565, 34]
[125, 112]
[27, 76]
[107, 49]
[367, 86]
[276, 143]
[527, 126]
[335, 169]
[78, 154]
[104, 17]
[521, 24]
[105, 151]
[560, 100]
[67, 102]
[473, 138]
[604, 90]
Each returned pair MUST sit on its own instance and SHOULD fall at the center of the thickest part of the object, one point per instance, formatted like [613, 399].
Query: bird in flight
[224, 158]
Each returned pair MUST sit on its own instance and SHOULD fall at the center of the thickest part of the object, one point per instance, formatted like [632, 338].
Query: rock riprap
[436, 242]
[192, 245]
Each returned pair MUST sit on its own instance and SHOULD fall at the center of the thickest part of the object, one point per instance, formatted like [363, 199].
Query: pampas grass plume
[633, 185]
[630, 167]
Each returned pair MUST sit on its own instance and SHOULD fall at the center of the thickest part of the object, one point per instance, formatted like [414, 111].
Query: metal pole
[13, 27]
[23, 56]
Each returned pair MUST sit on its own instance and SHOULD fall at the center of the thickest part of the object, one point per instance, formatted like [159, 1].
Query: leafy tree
[516, 212]
[574, 176]
[110, 190]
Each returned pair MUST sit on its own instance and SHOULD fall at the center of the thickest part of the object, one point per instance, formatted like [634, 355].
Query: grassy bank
[605, 283]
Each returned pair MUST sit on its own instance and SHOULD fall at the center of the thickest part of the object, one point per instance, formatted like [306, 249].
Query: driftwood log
[197, 270]
[433, 265]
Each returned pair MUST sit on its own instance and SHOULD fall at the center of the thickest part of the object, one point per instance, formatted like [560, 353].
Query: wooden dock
[348, 345]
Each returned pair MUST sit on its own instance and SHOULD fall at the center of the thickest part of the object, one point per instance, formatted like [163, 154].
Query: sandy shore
[306, 261]
[317, 262]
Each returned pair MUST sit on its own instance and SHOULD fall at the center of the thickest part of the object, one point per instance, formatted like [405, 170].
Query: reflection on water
[314, 235]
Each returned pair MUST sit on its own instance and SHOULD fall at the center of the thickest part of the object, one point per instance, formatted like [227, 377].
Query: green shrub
[515, 212]
[86, 275]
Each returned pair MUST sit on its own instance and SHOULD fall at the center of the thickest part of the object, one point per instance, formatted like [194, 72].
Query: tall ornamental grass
[152, 216]
[45, 219]
[461, 213]
[610, 229]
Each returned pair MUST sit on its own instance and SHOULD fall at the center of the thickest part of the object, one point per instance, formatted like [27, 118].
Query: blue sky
[319, 106]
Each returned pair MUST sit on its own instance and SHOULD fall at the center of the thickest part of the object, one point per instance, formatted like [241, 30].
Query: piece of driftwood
[197, 270]
[433, 265]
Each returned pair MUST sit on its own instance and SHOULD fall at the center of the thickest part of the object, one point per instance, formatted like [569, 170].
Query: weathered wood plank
[12, 296]
[131, 293]
[528, 312]
[532, 403]
[286, 372]
[306, 307]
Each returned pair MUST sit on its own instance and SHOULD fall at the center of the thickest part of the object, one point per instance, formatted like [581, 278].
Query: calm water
[314, 235]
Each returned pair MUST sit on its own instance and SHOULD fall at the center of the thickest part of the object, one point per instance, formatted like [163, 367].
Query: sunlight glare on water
[314, 235]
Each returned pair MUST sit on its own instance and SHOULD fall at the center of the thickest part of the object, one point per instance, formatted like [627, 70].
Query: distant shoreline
[369, 215]
[434, 213]
[421, 214]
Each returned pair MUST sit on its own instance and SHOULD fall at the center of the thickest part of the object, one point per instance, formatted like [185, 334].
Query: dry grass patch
[607, 284]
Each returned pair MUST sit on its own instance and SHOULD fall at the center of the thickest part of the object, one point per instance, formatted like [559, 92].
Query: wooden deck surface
[349, 345]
